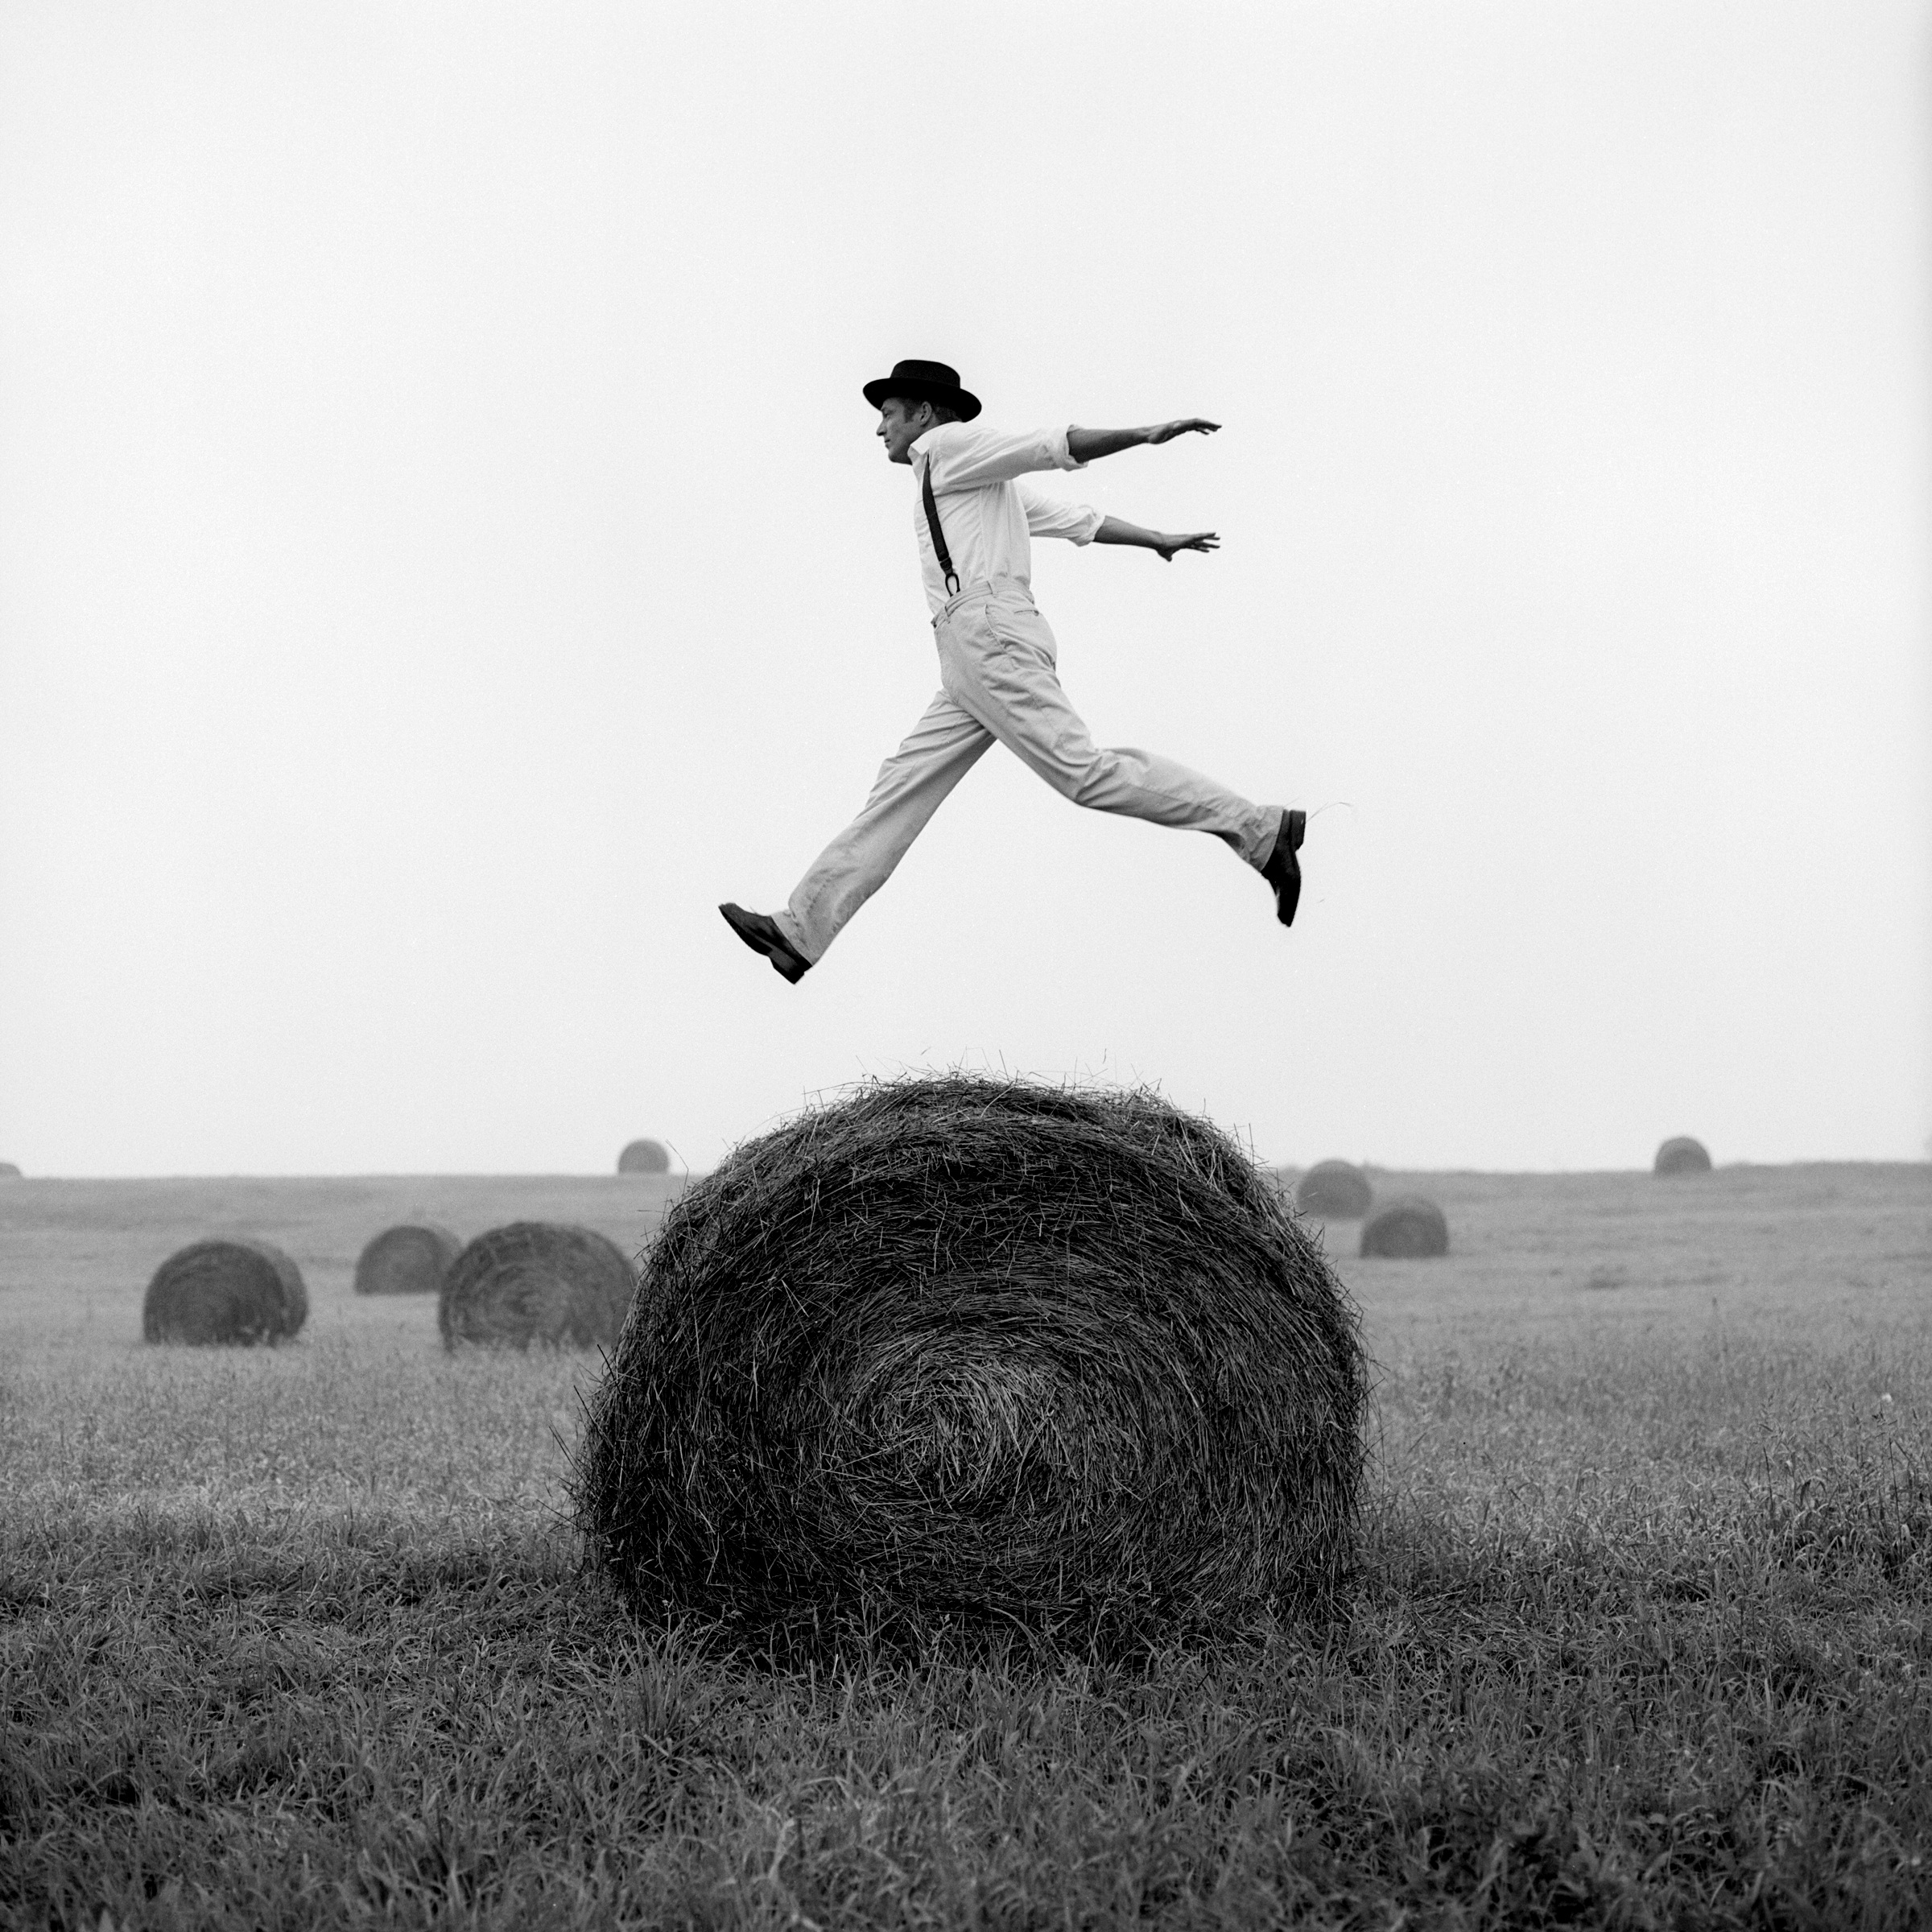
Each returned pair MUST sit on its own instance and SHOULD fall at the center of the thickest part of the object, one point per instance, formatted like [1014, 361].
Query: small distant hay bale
[1408, 1227]
[1681, 1154]
[410, 1258]
[1334, 1190]
[645, 1156]
[993, 1353]
[9, 1171]
[540, 1282]
[239, 1293]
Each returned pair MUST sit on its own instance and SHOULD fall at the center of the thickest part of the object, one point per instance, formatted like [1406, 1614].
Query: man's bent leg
[998, 662]
[941, 749]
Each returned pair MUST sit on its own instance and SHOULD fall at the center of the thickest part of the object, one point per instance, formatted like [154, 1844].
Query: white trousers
[998, 682]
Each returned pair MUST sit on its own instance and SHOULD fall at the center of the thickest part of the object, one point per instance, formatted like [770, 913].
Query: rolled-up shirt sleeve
[1048, 517]
[965, 458]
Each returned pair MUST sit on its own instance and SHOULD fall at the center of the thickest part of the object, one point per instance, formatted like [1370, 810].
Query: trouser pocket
[966, 640]
[1010, 628]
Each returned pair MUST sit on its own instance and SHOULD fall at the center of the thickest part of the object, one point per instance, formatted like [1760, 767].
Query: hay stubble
[293, 1637]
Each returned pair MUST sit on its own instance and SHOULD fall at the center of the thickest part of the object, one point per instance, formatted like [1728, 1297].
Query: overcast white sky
[444, 552]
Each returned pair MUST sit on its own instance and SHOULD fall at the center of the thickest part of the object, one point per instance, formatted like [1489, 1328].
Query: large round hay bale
[239, 1292]
[1681, 1154]
[9, 1171]
[979, 1350]
[1406, 1228]
[410, 1258]
[1334, 1191]
[645, 1156]
[536, 1282]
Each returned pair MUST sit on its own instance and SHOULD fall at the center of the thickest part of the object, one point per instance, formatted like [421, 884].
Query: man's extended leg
[939, 751]
[997, 660]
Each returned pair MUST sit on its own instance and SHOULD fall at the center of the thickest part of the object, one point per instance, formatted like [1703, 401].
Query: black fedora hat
[924, 382]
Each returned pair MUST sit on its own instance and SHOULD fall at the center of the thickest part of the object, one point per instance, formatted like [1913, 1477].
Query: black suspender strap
[938, 536]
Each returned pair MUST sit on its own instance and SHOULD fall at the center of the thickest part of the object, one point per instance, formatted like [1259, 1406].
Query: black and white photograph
[674, 1254]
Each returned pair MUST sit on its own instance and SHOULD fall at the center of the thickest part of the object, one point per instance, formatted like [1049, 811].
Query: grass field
[298, 1638]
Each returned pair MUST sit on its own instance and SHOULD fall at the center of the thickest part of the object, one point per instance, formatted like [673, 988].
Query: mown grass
[1641, 1638]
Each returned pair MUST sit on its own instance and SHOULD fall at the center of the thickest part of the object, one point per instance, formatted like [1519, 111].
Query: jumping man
[997, 664]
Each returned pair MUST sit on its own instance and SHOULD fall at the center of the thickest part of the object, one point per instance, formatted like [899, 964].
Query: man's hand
[1085, 445]
[1117, 530]
[1201, 539]
[1166, 432]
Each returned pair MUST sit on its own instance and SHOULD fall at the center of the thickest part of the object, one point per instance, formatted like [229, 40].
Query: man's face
[901, 424]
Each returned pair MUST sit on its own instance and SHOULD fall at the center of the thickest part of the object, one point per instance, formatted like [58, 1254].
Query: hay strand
[1407, 1228]
[645, 1156]
[410, 1258]
[1334, 1191]
[982, 1350]
[239, 1293]
[535, 1283]
[1681, 1154]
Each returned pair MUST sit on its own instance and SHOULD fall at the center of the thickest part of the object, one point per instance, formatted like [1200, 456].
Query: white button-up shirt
[989, 519]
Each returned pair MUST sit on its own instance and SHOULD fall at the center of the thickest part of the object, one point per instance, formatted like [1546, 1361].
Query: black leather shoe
[762, 936]
[1282, 869]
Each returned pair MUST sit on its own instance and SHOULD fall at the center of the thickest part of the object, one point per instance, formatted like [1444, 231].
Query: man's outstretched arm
[1084, 445]
[1116, 530]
